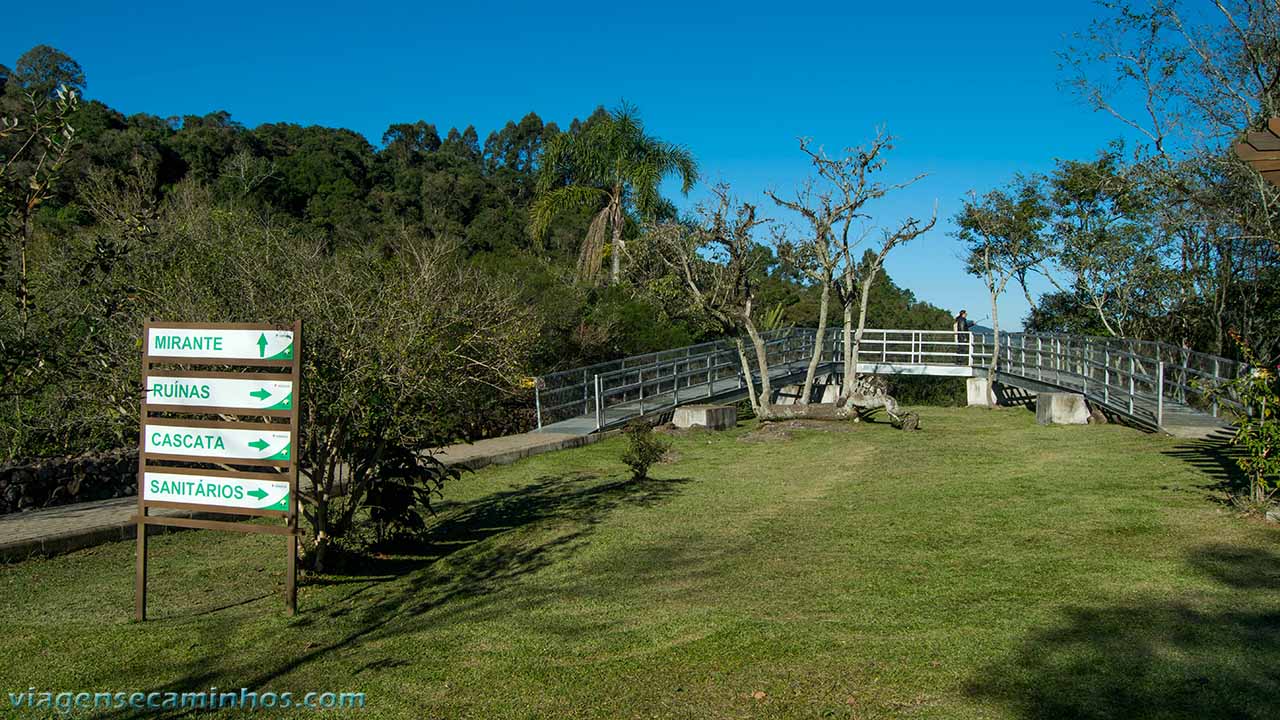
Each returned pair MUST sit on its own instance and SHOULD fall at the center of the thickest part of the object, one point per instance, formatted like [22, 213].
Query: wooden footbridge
[1154, 385]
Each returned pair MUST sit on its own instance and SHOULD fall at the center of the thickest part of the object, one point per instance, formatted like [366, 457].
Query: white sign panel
[220, 392]
[230, 444]
[220, 344]
[212, 490]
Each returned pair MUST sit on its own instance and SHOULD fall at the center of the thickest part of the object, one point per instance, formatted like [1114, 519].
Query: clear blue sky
[970, 89]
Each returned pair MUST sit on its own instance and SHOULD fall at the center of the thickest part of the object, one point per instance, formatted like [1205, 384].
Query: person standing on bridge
[961, 326]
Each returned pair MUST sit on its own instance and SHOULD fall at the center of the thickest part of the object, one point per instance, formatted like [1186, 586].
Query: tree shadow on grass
[473, 552]
[1010, 396]
[1238, 568]
[1154, 659]
[572, 496]
[231, 604]
[1215, 457]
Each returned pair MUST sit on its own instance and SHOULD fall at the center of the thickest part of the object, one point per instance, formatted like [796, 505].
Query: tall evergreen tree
[612, 167]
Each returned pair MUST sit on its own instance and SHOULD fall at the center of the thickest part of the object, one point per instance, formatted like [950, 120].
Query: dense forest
[120, 217]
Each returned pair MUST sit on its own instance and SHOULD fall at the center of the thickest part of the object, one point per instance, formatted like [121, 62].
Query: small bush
[1257, 425]
[643, 449]
[1246, 504]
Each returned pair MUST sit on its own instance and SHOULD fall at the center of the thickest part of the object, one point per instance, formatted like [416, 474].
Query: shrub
[1257, 425]
[398, 349]
[401, 489]
[643, 449]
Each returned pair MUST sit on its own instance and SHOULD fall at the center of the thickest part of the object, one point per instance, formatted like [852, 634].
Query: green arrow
[260, 444]
[261, 394]
[262, 345]
[257, 493]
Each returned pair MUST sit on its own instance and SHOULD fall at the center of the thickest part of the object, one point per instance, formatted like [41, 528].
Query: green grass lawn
[985, 567]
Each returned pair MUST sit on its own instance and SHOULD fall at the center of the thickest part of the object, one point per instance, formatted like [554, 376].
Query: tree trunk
[995, 352]
[850, 354]
[851, 378]
[25, 234]
[616, 246]
[746, 377]
[820, 411]
[1102, 316]
[1220, 300]
[762, 360]
[818, 344]
[321, 485]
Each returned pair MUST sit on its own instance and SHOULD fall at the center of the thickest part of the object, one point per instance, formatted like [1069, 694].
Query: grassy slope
[985, 567]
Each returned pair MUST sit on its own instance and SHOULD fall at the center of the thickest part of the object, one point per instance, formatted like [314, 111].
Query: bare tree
[715, 260]
[861, 276]
[816, 254]
[833, 204]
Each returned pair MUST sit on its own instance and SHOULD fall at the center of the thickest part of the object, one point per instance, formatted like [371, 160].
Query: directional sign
[228, 443]
[220, 344]
[196, 453]
[238, 393]
[216, 490]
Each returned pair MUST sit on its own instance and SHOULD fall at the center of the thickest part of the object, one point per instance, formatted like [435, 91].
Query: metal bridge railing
[674, 376]
[904, 347]
[1138, 378]
[628, 393]
[614, 392]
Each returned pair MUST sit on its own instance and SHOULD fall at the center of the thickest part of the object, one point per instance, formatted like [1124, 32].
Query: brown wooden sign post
[1261, 149]
[196, 449]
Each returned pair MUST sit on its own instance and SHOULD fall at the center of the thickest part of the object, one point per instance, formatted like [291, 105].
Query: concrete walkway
[508, 449]
[71, 527]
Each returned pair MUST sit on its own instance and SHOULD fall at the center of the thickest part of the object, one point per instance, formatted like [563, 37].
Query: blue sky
[973, 95]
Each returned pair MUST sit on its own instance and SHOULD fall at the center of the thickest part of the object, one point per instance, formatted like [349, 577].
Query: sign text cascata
[186, 440]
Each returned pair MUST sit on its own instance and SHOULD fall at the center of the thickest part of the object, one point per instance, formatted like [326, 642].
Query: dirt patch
[767, 432]
[778, 431]
[824, 425]
[672, 430]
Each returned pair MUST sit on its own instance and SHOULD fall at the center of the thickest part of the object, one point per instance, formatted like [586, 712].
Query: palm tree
[610, 167]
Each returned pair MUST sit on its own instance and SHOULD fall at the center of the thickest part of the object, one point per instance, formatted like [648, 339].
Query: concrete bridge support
[1061, 408]
[714, 417]
[979, 394]
[979, 391]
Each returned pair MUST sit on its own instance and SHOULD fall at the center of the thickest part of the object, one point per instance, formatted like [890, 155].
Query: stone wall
[61, 481]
